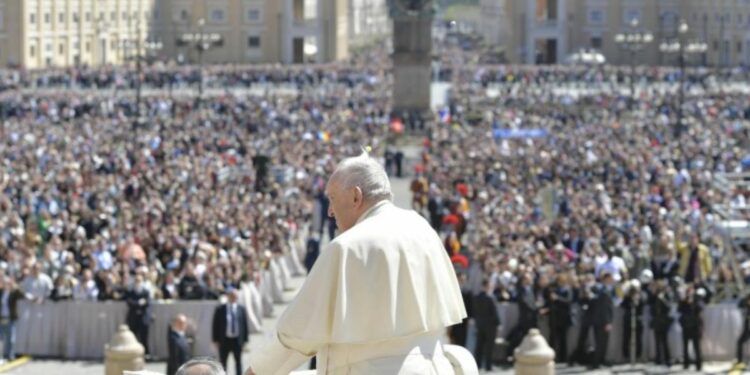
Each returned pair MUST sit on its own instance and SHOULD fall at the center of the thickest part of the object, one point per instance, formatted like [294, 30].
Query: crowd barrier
[79, 330]
[722, 326]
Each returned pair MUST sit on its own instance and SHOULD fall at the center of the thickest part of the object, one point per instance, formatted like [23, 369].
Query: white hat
[647, 276]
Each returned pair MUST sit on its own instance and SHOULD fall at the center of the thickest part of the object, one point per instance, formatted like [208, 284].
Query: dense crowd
[559, 199]
[551, 197]
[189, 203]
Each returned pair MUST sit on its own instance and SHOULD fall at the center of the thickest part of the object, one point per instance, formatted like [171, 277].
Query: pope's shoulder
[391, 222]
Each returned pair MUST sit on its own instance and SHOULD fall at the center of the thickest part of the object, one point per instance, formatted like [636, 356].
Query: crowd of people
[573, 205]
[190, 203]
[545, 199]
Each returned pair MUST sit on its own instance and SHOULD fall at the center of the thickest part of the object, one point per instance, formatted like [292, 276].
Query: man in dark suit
[139, 311]
[561, 297]
[585, 297]
[177, 343]
[528, 312]
[9, 298]
[458, 332]
[603, 313]
[487, 320]
[661, 320]
[230, 330]
[744, 306]
[691, 320]
[632, 305]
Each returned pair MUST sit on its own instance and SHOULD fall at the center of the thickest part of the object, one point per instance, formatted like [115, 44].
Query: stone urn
[534, 356]
[123, 353]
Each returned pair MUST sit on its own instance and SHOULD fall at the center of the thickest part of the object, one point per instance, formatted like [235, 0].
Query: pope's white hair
[365, 173]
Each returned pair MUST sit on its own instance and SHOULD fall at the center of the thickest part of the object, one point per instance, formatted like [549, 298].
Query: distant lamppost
[633, 40]
[101, 33]
[143, 52]
[202, 42]
[683, 48]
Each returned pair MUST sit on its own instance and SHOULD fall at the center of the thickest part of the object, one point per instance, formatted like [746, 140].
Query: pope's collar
[371, 211]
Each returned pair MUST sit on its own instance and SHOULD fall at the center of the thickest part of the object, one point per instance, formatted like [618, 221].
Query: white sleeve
[275, 358]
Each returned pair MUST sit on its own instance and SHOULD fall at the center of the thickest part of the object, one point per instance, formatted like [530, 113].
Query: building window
[48, 47]
[32, 18]
[156, 14]
[46, 18]
[739, 47]
[631, 14]
[88, 16]
[217, 15]
[62, 49]
[716, 45]
[113, 16]
[88, 46]
[124, 16]
[61, 18]
[32, 51]
[75, 18]
[184, 15]
[253, 42]
[596, 42]
[596, 16]
[253, 15]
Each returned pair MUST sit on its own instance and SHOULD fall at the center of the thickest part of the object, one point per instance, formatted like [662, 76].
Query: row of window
[219, 15]
[253, 42]
[61, 48]
[597, 43]
[726, 19]
[87, 17]
[216, 15]
[598, 16]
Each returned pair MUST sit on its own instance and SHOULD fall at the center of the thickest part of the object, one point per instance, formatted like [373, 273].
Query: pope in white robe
[379, 297]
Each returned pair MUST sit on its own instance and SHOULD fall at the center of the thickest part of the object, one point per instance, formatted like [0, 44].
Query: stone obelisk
[412, 55]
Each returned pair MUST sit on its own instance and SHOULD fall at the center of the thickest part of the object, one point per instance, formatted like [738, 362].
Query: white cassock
[376, 302]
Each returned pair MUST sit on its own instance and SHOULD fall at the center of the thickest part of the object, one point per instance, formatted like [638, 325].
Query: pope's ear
[358, 196]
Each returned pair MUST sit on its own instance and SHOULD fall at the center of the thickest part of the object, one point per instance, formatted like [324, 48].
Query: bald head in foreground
[379, 297]
[201, 366]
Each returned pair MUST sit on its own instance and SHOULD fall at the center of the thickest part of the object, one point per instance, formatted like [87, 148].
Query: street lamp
[683, 48]
[202, 41]
[633, 40]
[101, 33]
[143, 52]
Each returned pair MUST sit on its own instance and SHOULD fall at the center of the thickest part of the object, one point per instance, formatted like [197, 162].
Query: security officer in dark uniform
[661, 320]
[561, 297]
[528, 312]
[138, 317]
[633, 304]
[691, 320]
[585, 298]
[603, 308]
[744, 306]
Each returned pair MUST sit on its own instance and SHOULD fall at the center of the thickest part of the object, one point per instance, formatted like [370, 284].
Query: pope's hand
[249, 371]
